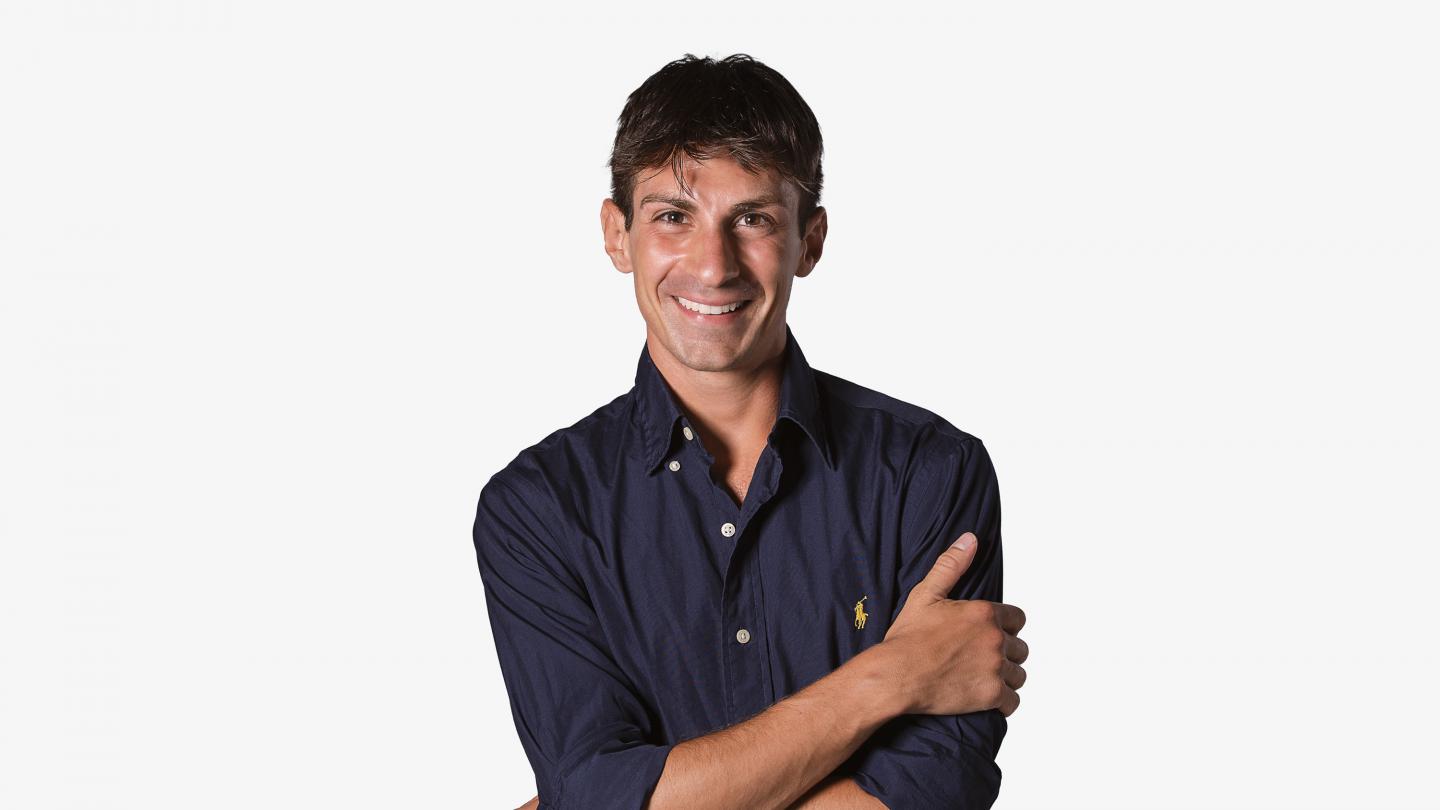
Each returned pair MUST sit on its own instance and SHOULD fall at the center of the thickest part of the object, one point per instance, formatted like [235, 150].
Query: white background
[284, 283]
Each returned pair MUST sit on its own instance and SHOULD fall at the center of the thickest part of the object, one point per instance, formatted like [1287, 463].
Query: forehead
[719, 178]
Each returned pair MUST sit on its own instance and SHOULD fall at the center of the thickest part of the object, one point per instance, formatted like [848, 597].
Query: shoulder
[544, 473]
[525, 509]
[925, 461]
[856, 410]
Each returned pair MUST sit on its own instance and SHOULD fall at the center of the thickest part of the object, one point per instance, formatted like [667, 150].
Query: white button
[742, 635]
[689, 434]
[728, 530]
[674, 466]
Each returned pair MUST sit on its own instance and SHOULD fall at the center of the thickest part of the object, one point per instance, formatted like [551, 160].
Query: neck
[733, 409]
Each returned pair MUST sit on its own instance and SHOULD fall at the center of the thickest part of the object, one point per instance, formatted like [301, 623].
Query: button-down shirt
[634, 604]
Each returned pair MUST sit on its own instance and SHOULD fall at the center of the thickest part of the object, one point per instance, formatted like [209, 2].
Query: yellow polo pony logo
[860, 614]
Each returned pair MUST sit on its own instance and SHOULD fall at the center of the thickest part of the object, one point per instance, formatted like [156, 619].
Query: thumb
[953, 562]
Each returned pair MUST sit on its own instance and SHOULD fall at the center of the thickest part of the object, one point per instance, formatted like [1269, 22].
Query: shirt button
[728, 529]
[674, 466]
[689, 434]
[742, 635]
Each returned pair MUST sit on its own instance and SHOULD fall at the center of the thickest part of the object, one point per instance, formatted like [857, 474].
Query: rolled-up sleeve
[943, 761]
[584, 727]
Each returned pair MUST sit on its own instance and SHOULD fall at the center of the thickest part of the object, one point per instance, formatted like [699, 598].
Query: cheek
[658, 254]
[768, 262]
[771, 249]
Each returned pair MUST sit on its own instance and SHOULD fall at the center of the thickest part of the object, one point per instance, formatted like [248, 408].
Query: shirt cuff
[932, 762]
[618, 777]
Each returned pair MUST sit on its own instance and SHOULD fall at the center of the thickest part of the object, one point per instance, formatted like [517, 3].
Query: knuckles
[980, 610]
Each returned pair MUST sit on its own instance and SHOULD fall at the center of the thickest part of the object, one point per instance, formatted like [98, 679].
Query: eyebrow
[686, 205]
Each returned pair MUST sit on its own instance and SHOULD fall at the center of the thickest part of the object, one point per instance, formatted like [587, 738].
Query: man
[734, 585]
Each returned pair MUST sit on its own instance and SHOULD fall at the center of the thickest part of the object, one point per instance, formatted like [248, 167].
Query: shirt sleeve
[929, 762]
[584, 726]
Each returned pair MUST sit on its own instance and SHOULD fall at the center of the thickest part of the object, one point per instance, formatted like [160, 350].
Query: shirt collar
[656, 409]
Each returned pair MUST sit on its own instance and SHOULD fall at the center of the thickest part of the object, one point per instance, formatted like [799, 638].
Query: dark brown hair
[737, 106]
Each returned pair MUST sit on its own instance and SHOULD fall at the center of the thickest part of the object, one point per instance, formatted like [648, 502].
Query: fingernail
[963, 542]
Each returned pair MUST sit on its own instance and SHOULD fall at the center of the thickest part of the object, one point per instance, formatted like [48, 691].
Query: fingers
[949, 567]
[1013, 674]
[1009, 617]
[1016, 649]
[1009, 701]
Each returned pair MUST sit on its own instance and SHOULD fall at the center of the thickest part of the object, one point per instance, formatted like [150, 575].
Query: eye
[664, 214]
[763, 218]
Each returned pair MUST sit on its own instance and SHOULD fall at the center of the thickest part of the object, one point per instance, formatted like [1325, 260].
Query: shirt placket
[742, 627]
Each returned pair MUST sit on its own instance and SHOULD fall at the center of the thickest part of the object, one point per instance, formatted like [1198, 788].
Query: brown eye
[665, 214]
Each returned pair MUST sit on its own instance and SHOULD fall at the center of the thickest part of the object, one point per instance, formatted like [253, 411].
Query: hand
[533, 804]
[957, 655]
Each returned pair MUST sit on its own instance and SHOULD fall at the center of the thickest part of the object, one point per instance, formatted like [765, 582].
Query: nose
[713, 257]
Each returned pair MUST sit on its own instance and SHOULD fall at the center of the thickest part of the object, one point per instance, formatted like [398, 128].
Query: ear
[617, 239]
[813, 241]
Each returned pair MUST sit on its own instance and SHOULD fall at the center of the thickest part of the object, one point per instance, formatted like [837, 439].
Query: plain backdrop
[282, 284]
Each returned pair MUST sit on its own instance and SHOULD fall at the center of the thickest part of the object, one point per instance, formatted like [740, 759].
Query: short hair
[700, 107]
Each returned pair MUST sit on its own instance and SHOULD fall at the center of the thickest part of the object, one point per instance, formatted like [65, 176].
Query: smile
[707, 309]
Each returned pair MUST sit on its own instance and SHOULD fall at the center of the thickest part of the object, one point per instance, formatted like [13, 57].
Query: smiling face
[732, 239]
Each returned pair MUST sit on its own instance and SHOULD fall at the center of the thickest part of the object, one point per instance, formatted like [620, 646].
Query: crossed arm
[785, 757]
[833, 793]
[818, 748]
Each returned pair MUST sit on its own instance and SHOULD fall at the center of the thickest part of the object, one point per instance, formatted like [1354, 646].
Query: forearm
[838, 792]
[774, 758]
[835, 793]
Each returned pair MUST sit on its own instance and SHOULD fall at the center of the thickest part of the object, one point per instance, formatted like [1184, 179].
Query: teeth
[706, 309]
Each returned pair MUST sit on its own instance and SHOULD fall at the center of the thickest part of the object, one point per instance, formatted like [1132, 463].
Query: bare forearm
[835, 793]
[774, 758]
[838, 793]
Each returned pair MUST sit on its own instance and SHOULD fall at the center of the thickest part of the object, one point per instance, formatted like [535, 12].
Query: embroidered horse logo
[860, 614]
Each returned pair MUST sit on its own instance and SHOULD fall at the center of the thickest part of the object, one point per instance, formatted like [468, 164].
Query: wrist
[883, 675]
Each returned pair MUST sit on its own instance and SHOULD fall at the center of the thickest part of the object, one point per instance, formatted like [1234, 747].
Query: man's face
[733, 238]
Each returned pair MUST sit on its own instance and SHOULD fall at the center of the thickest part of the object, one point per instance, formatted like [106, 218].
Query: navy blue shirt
[635, 604]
